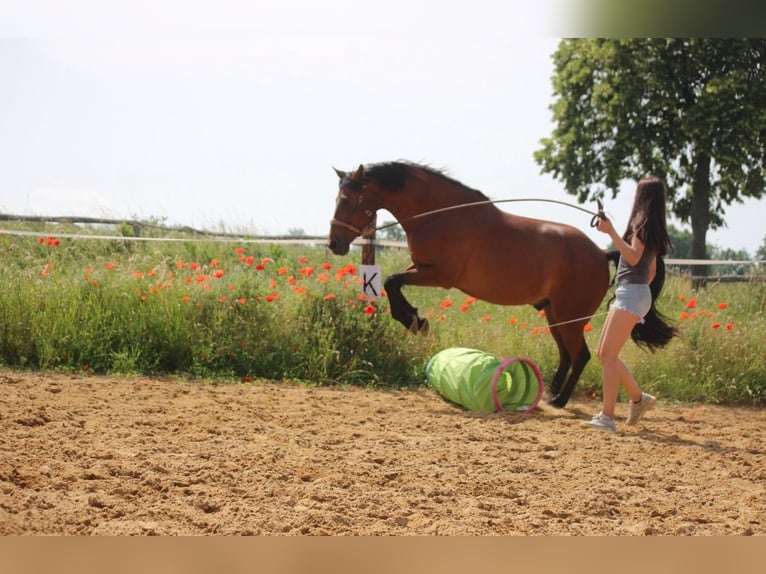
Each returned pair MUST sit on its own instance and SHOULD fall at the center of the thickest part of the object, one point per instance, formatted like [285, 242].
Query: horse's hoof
[558, 401]
[423, 326]
[414, 326]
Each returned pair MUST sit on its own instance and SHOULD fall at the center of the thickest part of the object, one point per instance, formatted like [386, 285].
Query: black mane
[393, 175]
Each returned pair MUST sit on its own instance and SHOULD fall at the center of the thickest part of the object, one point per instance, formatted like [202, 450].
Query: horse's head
[354, 210]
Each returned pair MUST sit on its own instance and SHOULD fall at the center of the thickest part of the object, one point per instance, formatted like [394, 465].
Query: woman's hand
[605, 226]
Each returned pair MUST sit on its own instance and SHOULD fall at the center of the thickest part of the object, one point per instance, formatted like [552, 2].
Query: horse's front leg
[401, 310]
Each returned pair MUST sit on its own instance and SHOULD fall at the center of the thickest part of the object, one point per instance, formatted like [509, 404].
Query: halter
[352, 228]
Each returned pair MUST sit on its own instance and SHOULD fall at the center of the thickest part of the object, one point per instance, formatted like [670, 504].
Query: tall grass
[251, 311]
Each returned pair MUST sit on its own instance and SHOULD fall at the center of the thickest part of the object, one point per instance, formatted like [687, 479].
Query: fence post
[368, 244]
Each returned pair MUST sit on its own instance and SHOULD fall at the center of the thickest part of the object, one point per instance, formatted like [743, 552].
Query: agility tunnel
[480, 381]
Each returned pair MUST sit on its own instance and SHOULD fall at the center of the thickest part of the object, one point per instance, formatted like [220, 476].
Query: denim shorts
[633, 297]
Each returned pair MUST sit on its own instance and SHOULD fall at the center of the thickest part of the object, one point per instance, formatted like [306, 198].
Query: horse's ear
[341, 174]
[358, 174]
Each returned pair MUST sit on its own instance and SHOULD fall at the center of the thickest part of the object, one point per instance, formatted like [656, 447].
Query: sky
[233, 113]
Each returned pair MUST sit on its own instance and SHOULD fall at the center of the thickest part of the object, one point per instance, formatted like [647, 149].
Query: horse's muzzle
[338, 245]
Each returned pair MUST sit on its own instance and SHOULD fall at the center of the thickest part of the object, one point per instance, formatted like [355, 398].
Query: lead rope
[593, 221]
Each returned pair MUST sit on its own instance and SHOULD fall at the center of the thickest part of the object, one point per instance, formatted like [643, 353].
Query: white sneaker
[602, 422]
[638, 410]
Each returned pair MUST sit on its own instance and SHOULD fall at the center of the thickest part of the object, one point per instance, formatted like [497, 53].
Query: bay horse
[483, 251]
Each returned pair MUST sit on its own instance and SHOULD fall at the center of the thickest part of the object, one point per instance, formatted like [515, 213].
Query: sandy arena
[86, 455]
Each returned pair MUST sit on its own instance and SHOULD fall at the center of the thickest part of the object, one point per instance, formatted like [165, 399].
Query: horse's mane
[393, 175]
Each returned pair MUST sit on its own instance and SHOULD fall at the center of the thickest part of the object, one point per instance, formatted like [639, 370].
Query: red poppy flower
[723, 305]
[303, 260]
[445, 304]
[326, 266]
[692, 303]
[369, 310]
[329, 296]
[110, 265]
[716, 326]
[218, 273]
[729, 326]
[588, 328]
[239, 250]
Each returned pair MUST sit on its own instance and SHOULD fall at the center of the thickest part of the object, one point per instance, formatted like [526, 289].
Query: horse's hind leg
[577, 346]
[564, 362]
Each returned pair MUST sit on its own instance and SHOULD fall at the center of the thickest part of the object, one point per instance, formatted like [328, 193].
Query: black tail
[655, 332]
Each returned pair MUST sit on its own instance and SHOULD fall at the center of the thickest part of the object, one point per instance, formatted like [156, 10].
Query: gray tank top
[638, 274]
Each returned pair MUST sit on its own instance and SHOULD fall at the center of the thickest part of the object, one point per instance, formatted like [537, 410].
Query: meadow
[246, 311]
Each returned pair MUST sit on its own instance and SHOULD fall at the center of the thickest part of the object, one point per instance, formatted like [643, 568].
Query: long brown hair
[648, 216]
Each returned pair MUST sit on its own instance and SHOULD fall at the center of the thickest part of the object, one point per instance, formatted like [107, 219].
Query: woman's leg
[619, 323]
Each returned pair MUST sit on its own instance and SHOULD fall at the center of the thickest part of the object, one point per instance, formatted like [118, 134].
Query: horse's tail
[655, 332]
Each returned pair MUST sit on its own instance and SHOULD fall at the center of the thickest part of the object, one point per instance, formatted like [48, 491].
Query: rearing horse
[483, 251]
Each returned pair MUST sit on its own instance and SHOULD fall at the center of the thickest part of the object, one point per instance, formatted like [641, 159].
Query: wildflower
[194, 266]
[242, 300]
[41, 240]
[369, 310]
[138, 274]
[110, 266]
[470, 300]
[716, 326]
[323, 277]
[692, 303]
[588, 328]
[259, 266]
[326, 266]
[513, 320]
[729, 326]
[682, 298]
[247, 379]
[361, 297]
[329, 296]
[464, 307]
[291, 280]
[303, 260]
[445, 304]
[307, 271]
[186, 298]
[282, 271]
[486, 318]
[299, 289]
[541, 313]
[180, 264]
[239, 250]
[723, 306]
[214, 262]
[222, 298]
[218, 273]
[272, 298]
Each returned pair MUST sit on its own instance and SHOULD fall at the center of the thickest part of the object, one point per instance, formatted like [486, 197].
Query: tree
[692, 111]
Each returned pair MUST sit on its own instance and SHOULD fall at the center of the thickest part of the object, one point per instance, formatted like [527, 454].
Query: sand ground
[83, 455]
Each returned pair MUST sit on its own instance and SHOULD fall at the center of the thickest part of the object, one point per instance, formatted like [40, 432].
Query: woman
[642, 245]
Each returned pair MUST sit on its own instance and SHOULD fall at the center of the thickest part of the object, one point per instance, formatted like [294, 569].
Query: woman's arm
[632, 251]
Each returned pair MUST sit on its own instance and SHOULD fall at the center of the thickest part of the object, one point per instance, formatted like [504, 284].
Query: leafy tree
[692, 111]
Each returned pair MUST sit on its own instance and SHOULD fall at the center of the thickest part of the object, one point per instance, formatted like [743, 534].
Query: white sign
[371, 280]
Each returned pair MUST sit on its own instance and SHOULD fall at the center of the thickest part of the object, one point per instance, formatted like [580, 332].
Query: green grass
[247, 311]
